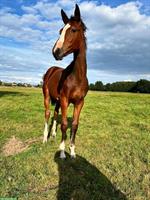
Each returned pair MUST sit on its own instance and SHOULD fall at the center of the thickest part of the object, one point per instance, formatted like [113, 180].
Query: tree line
[141, 86]
[14, 84]
[8, 84]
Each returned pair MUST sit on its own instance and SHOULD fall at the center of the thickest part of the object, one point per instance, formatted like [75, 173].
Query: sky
[118, 38]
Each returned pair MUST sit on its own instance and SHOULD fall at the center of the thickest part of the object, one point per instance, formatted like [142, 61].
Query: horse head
[71, 35]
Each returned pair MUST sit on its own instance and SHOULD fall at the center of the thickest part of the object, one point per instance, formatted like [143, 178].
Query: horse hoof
[62, 155]
[73, 156]
[44, 141]
[53, 135]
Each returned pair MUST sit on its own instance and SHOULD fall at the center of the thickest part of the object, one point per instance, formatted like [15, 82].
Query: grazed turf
[112, 146]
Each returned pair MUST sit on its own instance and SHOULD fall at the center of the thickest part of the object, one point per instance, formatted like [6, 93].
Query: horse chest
[77, 94]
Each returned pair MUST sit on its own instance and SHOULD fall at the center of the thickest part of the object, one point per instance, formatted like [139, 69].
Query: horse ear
[77, 12]
[64, 17]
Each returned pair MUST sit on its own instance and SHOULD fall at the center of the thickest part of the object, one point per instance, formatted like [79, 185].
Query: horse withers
[69, 85]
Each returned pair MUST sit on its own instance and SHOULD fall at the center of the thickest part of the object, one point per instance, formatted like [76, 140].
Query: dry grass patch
[14, 145]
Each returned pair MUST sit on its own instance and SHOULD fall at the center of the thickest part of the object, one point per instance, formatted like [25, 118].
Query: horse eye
[73, 30]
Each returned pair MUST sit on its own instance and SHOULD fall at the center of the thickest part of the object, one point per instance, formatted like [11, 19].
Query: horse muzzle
[58, 54]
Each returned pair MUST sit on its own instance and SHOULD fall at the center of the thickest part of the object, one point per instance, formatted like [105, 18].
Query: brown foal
[70, 85]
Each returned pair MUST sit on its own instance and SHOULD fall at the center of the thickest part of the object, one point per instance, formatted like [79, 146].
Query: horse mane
[76, 19]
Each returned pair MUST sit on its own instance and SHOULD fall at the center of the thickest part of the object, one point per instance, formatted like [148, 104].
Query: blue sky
[118, 38]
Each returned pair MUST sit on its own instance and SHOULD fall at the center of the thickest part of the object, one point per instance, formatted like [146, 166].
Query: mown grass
[112, 146]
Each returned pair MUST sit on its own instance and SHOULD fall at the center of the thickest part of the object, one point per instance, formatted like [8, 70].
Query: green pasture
[112, 147]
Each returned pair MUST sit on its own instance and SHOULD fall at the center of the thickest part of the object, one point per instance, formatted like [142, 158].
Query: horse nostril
[57, 53]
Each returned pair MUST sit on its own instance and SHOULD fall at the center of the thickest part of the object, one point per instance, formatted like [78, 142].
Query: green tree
[92, 86]
[99, 86]
[142, 86]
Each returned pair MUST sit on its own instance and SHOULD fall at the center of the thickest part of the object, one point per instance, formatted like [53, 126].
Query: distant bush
[15, 84]
[142, 86]
[120, 86]
[97, 86]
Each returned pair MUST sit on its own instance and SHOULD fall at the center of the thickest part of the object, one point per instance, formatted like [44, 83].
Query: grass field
[112, 146]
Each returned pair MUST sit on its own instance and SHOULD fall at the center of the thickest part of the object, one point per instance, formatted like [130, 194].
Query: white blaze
[61, 39]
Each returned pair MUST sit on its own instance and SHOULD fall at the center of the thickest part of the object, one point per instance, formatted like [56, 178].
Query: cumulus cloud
[118, 38]
[26, 63]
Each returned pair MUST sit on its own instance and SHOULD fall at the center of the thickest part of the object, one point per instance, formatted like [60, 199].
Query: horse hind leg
[54, 126]
[47, 114]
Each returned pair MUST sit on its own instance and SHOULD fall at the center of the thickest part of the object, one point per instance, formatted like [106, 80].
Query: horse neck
[80, 66]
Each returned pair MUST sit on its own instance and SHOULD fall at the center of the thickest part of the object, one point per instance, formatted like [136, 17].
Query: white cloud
[108, 76]
[28, 63]
[118, 38]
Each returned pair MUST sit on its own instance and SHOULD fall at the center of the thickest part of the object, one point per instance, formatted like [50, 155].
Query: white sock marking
[72, 149]
[45, 132]
[62, 148]
[54, 128]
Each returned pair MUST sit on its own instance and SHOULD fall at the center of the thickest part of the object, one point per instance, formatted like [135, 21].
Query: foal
[70, 85]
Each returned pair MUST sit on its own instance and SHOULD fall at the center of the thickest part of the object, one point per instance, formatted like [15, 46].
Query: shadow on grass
[80, 180]
[6, 93]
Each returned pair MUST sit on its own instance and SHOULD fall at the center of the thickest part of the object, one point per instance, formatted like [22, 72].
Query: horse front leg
[64, 123]
[76, 114]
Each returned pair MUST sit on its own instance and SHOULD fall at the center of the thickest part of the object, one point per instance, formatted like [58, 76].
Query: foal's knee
[64, 126]
[47, 114]
[74, 127]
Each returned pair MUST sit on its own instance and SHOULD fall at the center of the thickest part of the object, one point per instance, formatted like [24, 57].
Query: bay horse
[69, 85]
